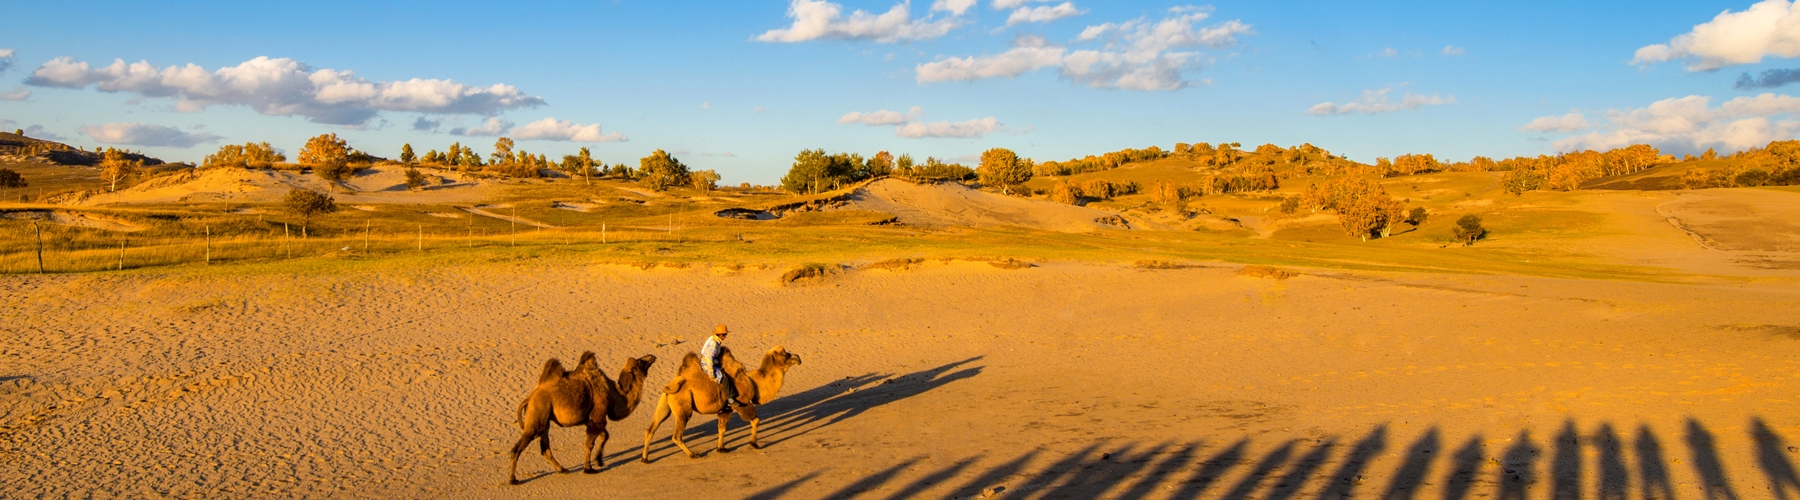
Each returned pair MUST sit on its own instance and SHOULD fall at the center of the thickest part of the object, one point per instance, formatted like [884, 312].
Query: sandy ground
[948, 204]
[372, 185]
[1061, 381]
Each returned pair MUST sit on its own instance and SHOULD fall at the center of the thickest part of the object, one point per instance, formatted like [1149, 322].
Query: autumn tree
[116, 166]
[1065, 192]
[406, 154]
[1000, 167]
[881, 165]
[1468, 229]
[661, 171]
[306, 204]
[249, 155]
[328, 155]
[503, 151]
[10, 179]
[812, 171]
[704, 180]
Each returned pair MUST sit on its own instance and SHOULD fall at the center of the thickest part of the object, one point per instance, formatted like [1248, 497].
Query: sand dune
[372, 185]
[1064, 380]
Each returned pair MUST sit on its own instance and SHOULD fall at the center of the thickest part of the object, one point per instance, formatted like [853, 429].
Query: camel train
[585, 396]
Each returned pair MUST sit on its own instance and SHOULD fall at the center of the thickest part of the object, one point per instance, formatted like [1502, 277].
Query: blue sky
[740, 87]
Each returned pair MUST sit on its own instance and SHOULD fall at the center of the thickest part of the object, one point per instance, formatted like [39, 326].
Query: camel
[583, 396]
[695, 392]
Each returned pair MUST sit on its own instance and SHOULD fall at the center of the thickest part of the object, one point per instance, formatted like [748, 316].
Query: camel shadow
[797, 414]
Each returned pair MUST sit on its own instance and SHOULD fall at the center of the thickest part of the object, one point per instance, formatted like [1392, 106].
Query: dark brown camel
[583, 396]
[695, 392]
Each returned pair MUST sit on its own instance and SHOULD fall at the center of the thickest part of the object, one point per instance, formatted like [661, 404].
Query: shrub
[414, 179]
[1468, 229]
[1290, 205]
[1417, 216]
[1064, 192]
[306, 204]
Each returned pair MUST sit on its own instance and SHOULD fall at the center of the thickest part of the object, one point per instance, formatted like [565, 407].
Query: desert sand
[945, 380]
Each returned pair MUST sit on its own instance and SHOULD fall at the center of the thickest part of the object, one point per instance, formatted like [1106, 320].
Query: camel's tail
[552, 369]
[519, 416]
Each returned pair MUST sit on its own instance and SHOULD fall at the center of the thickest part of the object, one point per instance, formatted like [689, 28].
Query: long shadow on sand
[1320, 470]
[791, 416]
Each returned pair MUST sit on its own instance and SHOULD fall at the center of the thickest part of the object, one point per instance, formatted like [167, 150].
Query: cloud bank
[1374, 102]
[283, 87]
[551, 129]
[1769, 28]
[1133, 55]
[7, 58]
[908, 125]
[1566, 123]
[1691, 124]
[147, 135]
[820, 19]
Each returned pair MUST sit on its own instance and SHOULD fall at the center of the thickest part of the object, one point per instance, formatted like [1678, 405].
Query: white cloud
[816, 19]
[1385, 53]
[1377, 102]
[1452, 50]
[883, 117]
[16, 94]
[1690, 125]
[1566, 123]
[551, 129]
[492, 127]
[1043, 14]
[1029, 53]
[954, 7]
[7, 58]
[1770, 27]
[38, 132]
[283, 87]
[144, 134]
[909, 125]
[949, 130]
[704, 105]
[1134, 55]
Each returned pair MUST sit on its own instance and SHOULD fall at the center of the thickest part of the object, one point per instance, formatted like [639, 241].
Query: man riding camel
[711, 356]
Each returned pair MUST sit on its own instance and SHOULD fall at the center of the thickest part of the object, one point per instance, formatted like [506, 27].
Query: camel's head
[641, 365]
[782, 358]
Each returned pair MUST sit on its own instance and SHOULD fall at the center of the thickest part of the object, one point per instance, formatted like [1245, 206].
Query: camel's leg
[749, 415]
[656, 419]
[681, 419]
[519, 447]
[724, 418]
[593, 461]
[545, 446]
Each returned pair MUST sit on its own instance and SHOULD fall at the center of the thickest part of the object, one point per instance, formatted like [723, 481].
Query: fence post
[40, 245]
[515, 225]
[122, 253]
[603, 233]
[285, 236]
[365, 237]
[421, 237]
[209, 245]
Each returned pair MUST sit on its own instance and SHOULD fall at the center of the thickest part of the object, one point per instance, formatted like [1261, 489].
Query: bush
[1290, 205]
[307, 204]
[1064, 192]
[1417, 216]
[1468, 229]
[414, 179]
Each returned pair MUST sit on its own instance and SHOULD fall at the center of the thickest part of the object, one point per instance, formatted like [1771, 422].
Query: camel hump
[553, 369]
[691, 359]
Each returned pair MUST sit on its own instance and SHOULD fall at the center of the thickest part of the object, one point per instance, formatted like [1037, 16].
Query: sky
[741, 87]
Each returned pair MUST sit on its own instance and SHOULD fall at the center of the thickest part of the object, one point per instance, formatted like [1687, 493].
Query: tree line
[332, 159]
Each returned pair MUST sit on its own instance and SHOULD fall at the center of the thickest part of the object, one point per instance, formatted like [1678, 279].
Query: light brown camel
[583, 396]
[695, 391]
